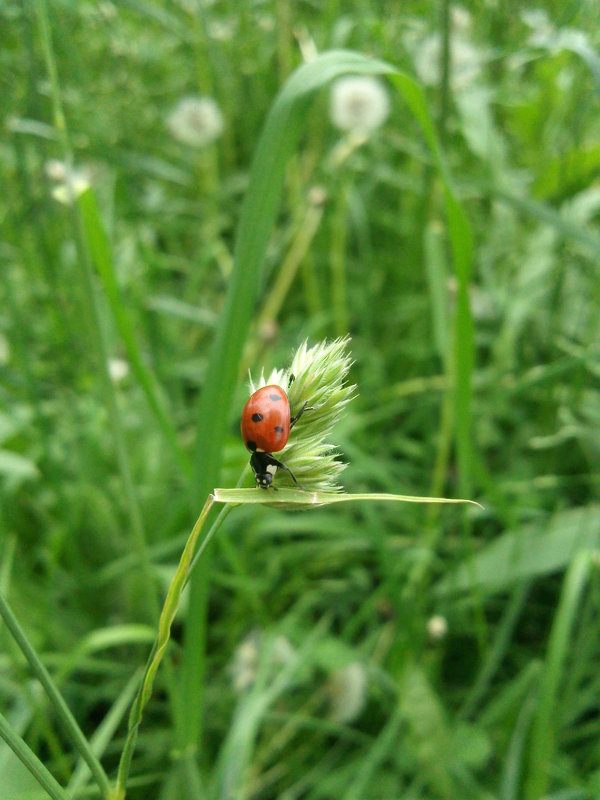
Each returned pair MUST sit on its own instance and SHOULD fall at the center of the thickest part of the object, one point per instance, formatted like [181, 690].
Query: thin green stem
[211, 532]
[62, 710]
[135, 513]
[55, 93]
[543, 734]
[445, 65]
[167, 616]
[25, 754]
[338, 263]
[105, 732]
[287, 272]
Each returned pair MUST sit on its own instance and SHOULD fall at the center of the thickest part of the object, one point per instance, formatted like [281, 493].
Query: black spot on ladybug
[251, 446]
[256, 417]
[278, 428]
[274, 397]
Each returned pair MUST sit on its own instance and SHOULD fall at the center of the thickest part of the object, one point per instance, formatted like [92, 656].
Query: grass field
[191, 189]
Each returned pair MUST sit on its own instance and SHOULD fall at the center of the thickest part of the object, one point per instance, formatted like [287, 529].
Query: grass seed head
[320, 380]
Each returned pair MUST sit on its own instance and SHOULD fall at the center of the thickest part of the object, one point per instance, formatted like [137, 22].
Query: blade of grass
[435, 267]
[101, 254]
[301, 499]
[298, 249]
[461, 245]
[280, 135]
[31, 761]
[188, 561]
[444, 93]
[236, 751]
[105, 732]
[63, 712]
[586, 237]
[544, 729]
[497, 651]
[135, 514]
[167, 616]
[337, 261]
[530, 551]
[510, 783]
[378, 753]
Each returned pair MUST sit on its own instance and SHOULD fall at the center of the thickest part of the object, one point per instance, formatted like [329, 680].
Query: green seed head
[320, 374]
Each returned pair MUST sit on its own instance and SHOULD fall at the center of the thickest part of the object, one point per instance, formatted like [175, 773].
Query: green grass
[458, 245]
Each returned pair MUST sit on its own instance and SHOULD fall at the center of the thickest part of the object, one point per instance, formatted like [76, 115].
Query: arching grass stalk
[165, 621]
[317, 376]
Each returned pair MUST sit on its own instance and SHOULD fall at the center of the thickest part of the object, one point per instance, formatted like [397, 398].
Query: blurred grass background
[357, 651]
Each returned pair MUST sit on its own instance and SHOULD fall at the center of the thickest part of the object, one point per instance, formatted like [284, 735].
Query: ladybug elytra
[266, 425]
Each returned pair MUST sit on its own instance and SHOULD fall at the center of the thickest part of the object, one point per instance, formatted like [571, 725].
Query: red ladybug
[266, 425]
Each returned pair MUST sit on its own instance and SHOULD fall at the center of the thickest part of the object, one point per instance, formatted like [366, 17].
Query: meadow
[192, 190]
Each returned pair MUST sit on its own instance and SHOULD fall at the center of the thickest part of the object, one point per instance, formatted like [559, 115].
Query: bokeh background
[361, 651]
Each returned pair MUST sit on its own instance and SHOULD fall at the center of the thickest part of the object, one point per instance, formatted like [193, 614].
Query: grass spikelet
[317, 376]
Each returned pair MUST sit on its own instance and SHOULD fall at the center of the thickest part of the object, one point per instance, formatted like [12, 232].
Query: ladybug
[266, 425]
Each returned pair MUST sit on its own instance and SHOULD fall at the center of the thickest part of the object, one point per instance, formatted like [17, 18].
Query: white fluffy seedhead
[196, 121]
[358, 103]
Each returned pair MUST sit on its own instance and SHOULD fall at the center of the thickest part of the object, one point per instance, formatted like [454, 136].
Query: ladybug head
[264, 479]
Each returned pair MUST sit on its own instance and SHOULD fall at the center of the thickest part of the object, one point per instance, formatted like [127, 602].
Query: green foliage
[143, 277]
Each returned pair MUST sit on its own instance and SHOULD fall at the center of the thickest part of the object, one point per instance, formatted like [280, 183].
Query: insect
[266, 425]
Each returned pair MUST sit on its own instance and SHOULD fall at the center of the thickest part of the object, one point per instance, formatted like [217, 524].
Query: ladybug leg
[304, 408]
[281, 465]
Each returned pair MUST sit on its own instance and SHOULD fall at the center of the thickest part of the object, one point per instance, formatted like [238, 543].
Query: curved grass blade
[100, 251]
[278, 141]
[288, 498]
[167, 616]
[544, 731]
[279, 138]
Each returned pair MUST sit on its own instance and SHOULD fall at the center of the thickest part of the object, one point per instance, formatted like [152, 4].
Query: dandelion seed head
[258, 650]
[118, 369]
[266, 22]
[437, 627]
[359, 103]
[460, 19]
[70, 181]
[55, 169]
[283, 650]
[107, 10]
[542, 29]
[347, 691]
[465, 61]
[546, 35]
[222, 30]
[244, 665]
[317, 196]
[4, 350]
[196, 121]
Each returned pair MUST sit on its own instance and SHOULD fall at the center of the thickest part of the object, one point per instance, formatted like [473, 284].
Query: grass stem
[167, 616]
[62, 710]
[26, 755]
